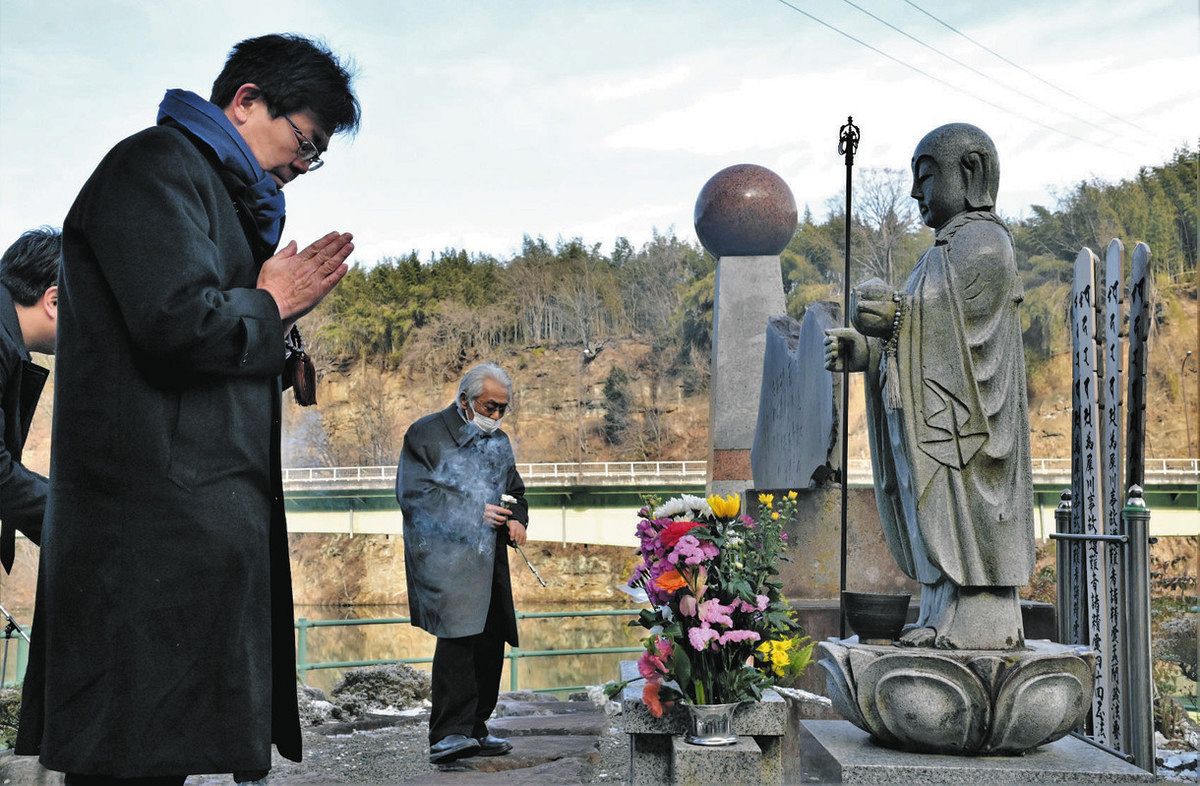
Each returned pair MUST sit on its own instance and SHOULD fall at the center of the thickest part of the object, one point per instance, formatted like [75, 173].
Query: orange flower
[670, 581]
[652, 700]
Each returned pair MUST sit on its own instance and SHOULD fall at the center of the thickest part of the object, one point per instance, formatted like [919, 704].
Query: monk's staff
[848, 137]
[505, 499]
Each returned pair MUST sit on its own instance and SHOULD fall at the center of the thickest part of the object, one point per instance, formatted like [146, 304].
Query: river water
[372, 642]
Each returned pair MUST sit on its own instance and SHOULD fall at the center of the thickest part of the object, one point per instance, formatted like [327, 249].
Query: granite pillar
[745, 215]
[749, 291]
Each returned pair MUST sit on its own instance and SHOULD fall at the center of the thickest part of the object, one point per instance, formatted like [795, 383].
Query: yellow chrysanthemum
[725, 507]
[775, 515]
[766, 500]
[776, 654]
[792, 495]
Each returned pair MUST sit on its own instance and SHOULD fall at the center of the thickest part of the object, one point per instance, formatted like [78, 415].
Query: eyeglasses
[306, 151]
[490, 408]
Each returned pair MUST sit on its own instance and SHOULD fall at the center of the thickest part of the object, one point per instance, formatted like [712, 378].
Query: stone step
[741, 762]
[506, 708]
[528, 753]
[576, 724]
[572, 770]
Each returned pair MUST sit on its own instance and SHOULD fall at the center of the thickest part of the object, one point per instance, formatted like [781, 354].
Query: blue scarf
[206, 122]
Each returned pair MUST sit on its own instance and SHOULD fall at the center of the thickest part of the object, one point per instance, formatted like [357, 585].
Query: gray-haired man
[454, 467]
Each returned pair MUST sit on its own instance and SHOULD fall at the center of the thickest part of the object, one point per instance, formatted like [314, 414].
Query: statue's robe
[950, 440]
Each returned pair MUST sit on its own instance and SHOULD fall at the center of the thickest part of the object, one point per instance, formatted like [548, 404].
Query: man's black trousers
[466, 680]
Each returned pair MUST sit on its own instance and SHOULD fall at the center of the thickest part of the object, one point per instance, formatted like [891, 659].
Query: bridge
[594, 502]
[1046, 471]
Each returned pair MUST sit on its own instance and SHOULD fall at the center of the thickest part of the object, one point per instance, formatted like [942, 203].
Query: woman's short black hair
[30, 266]
[293, 73]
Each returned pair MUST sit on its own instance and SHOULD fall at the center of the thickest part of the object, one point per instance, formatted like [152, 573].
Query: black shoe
[452, 747]
[490, 745]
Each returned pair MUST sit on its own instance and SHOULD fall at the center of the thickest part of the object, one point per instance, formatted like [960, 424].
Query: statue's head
[955, 169]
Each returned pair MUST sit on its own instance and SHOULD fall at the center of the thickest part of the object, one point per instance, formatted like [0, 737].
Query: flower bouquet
[720, 630]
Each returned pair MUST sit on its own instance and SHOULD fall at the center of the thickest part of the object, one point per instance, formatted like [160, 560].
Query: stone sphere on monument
[745, 210]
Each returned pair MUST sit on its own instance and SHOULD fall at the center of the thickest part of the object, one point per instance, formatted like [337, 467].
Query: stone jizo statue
[946, 403]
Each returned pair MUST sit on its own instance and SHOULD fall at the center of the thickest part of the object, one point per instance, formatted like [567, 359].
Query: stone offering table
[658, 754]
[836, 752]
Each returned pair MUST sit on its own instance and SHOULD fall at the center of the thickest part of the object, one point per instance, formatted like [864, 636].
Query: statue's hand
[875, 317]
[872, 289]
[846, 348]
[872, 308]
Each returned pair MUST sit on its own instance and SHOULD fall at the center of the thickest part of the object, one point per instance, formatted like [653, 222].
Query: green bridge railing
[515, 654]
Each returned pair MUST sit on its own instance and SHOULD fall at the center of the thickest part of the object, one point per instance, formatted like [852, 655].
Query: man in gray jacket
[454, 468]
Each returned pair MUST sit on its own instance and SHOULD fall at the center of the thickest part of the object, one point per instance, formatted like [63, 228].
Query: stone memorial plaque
[1139, 335]
[1111, 460]
[1089, 497]
[795, 443]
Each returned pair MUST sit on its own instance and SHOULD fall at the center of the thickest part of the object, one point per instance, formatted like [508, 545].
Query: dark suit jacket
[22, 492]
[456, 565]
[163, 631]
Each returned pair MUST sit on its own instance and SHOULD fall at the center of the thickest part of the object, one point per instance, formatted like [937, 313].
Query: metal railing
[1160, 470]
[13, 629]
[620, 473]
[514, 656]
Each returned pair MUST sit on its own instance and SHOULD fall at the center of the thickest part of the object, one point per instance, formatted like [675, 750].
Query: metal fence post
[22, 658]
[514, 654]
[1139, 724]
[301, 647]
[1063, 551]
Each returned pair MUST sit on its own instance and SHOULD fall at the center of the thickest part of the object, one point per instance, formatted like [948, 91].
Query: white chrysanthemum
[671, 508]
[697, 505]
[733, 541]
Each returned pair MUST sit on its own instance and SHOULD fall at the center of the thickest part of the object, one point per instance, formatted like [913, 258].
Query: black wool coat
[455, 564]
[163, 631]
[22, 492]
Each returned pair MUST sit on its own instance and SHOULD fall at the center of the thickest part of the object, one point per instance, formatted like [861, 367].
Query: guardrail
[515, 654]
[620, 473]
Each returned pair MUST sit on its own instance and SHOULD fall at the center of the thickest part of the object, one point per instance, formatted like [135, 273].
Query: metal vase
[711, 724]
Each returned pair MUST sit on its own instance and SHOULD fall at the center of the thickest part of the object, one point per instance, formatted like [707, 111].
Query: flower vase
[710, 724]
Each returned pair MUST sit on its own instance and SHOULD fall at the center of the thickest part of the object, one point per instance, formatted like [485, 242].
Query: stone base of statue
[961, 702]
[836, 752]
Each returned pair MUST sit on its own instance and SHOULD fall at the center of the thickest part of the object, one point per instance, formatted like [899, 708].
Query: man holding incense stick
[454, 470]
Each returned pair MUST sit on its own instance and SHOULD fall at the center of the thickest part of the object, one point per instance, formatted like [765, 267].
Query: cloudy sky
[484, 121]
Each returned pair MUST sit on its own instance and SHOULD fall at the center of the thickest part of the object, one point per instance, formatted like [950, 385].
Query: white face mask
[485, 424]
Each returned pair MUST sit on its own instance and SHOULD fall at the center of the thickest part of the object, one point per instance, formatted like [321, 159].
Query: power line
[975, 70]
[954, 87]
[1025, 70]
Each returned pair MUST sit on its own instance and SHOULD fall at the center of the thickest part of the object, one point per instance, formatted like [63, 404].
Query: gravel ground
[554, 742]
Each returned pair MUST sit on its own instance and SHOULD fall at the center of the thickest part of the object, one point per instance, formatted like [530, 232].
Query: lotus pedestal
[962, 702]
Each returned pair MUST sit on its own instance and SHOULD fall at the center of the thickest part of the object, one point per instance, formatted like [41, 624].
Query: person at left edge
[162, 641]
[28, 313]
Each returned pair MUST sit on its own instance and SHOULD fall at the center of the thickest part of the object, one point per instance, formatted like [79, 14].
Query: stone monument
[949, 436]
[796, 442]
[745, 215]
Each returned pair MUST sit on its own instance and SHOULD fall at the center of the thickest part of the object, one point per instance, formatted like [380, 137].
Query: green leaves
[646, 618]
[681, 665]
